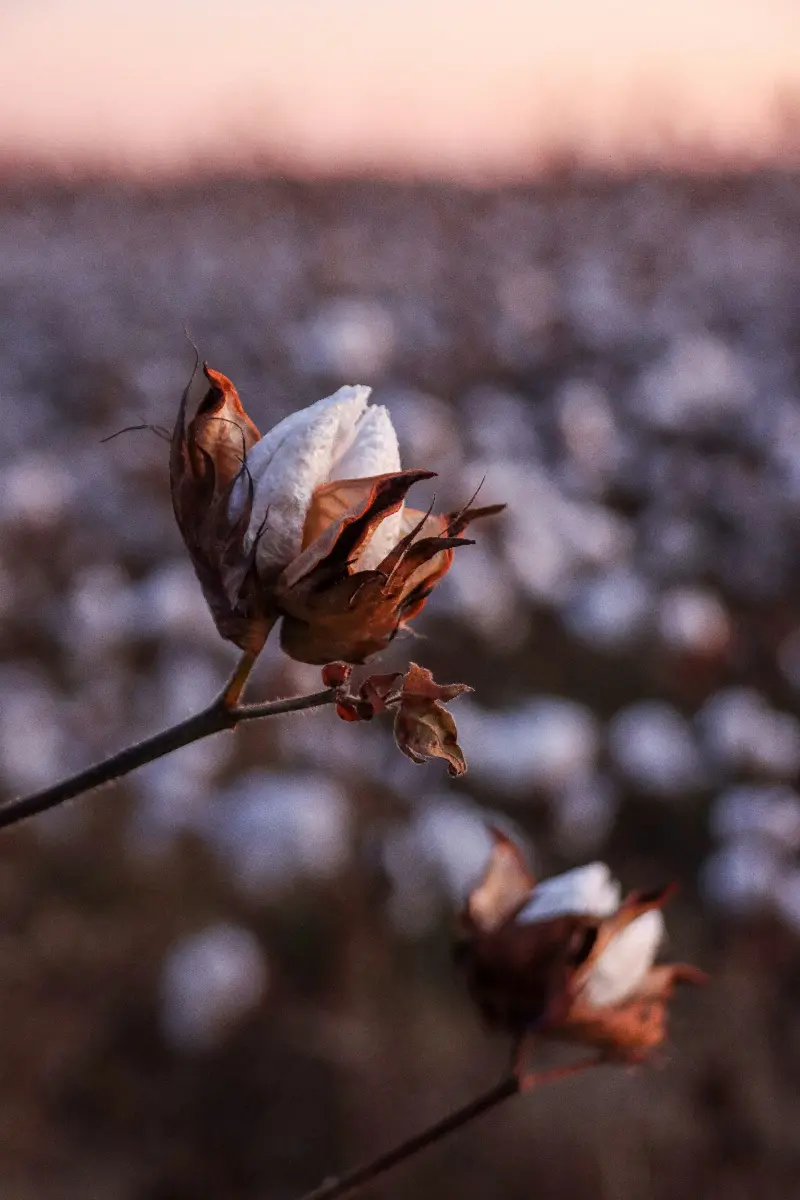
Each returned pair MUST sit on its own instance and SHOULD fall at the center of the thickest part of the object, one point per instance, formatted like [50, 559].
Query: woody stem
[223, 713]
[509, 1085]
[343, 1185]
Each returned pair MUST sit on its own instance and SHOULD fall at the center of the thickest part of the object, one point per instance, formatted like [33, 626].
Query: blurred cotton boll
[273, 827]
[699, 380]
[583, 813]
[34, 743]
[482, 595]
[102, 611]
[36, 491]
[611, 611]
[171, 605]
[209, 982]
[740, 878]
[500, 424]
[550, 540]
[693, 620]
[769, 811]
[587, 425]
[438, 855]
[743, 732]
[347, 337]
[655, 748]
[545, 744]
[787, 899]
[426, 429]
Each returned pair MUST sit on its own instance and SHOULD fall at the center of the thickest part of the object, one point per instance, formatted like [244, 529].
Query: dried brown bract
[206, 463]
[423, 728]
[569, 959]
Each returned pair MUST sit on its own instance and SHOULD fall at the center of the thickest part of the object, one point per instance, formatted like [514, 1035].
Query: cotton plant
[568, 959]
[309, 526]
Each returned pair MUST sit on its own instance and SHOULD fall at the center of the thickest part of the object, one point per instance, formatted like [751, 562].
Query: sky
[440, 87]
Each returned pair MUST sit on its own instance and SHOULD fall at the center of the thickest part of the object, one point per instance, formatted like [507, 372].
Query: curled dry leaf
[308, 523]
[568, 959]
[423, 728]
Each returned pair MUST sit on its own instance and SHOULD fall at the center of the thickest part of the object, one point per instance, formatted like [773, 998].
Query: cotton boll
[589, 891]
[654, 747]
[481, 593]
[170, 604]
[273, 827]
[611, 611]
[37, 491]
[752, 810]
[349, 336]
[209, 982]
[744, 732]
[700, 380]
[693, 620]
[454, 839]
[740, 878]
[583, 814]
[34, 746]
[544, 744]
[622, 966]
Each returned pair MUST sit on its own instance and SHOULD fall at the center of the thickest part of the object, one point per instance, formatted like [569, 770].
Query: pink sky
[445, 86]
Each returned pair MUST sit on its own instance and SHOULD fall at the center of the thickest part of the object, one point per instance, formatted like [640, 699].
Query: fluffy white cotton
[622, 966]
[287, 465]
[374, 451]
[336, 438]
[585, 891]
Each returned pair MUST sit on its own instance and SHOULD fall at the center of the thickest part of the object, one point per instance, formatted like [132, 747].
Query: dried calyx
[308, 523]
[423, 727]
[568, 959]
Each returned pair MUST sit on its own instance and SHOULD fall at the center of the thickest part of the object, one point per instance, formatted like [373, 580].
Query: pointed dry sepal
[423, 728]
[332, 607]
[567, 959]
[206, 460]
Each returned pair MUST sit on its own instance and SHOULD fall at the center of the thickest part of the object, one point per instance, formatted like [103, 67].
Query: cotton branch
[225, 712]
[510, 1085]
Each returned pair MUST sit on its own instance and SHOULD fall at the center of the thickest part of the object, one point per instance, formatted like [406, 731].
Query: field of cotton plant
[230, 974]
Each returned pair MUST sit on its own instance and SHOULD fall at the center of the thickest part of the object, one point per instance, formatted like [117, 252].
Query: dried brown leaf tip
[423, 728]
[308, 523]
[568, 959]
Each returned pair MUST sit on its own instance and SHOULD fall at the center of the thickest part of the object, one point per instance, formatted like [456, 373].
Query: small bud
[336, 674]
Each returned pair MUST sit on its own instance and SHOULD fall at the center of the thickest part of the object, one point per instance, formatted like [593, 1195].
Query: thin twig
[509, 1085]
[223, 713]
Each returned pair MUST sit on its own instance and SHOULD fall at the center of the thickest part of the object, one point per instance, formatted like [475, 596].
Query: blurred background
[561, 243]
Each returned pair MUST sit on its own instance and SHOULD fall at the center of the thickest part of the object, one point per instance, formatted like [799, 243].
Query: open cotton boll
[586, 891]
[286, 466]
[622, 966]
